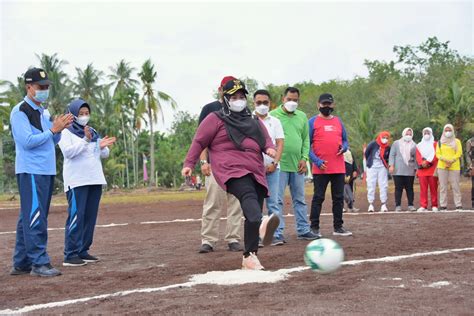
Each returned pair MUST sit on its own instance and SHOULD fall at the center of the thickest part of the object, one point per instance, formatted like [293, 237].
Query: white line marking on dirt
[438, 284]
[234, 277]
[224, 218]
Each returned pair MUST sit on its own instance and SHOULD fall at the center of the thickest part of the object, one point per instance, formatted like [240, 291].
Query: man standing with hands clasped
[328, 139]
[35, 167]
[293, 162]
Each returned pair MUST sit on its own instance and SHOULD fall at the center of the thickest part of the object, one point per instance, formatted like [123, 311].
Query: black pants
[250, 194]
[403, 182]
[472, 191]
[321, 182]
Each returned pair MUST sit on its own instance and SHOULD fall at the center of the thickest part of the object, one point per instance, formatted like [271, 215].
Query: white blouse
[82, 165]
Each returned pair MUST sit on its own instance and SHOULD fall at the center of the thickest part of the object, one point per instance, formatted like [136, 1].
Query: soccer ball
[324, 255]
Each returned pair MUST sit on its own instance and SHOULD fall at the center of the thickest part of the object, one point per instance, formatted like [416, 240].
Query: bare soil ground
[139, 255]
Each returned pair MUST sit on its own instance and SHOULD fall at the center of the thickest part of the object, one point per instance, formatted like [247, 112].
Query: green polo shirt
[296, 146]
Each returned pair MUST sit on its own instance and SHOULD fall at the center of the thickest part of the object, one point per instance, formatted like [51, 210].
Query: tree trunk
[152, 148]
[133, 159]
[125, 150]
[2, 169]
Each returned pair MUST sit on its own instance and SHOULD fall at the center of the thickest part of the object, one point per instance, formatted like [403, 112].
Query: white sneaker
[421, 209]
[383, 208]
[344, 210]
[251, 263]
[267, 228]
[371, 208]
[435, 209]
[398, 209]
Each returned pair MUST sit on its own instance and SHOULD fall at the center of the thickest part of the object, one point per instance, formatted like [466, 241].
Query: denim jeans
[296, 183]
[273, 180]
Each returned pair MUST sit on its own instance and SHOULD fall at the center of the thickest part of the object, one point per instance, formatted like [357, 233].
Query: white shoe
[435, 209]
[267, 228]
[251, 263]
[371, 208]
[421, 209]
[344, 210]
[383, 208]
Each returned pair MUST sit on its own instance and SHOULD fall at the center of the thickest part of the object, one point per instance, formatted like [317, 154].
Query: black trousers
[321, 182]
[250, 194]
[404, 182]
[472, 191]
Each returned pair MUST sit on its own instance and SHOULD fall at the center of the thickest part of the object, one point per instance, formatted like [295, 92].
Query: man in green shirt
[293, 162]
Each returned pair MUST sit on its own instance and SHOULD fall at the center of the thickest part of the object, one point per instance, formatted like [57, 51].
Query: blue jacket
[370, 151]
[34, 141]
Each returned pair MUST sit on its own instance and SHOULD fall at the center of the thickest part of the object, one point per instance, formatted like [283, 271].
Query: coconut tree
[60, 89]
[11, 95]
[87, 84]
[150, 104]
[122, 76]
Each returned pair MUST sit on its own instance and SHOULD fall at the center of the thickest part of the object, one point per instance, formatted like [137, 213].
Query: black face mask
[326, 111]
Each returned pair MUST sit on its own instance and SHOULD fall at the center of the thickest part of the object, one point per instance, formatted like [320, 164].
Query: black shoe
[46, 270]
[308, 236]
[89, 258]
[341, 231]
[443, 208]
[205, 248]
[260, 244]
[20, 271]
[459, 208]
[317, 232]
[235, 247]
[74, 262]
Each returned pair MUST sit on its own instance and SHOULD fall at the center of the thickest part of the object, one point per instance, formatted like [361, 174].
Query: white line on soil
[231, 278]
[224, 218]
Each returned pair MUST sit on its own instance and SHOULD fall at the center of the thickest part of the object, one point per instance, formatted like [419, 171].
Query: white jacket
[82, 165]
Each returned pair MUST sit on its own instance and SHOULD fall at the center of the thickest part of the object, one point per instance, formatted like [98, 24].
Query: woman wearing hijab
[236, 141]
[448, 152]
[376, 156]
[402, 163]
[427, 163]
[82, 149]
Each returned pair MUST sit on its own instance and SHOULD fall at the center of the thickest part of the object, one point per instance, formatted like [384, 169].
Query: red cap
[226, 79]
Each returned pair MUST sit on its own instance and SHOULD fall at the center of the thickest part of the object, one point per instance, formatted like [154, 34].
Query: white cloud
[194, 44]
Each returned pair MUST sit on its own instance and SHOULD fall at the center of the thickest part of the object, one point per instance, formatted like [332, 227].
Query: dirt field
[153, 257]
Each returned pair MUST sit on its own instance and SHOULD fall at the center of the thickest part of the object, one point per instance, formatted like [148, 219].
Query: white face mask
[384, 140]
[290, 106]
[427, 136]
[407, 138]
[262, 109]
[448, 134]
[83, 120]
[237, 105]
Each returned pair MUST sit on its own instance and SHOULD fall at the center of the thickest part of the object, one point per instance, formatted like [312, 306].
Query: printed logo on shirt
[329, 128]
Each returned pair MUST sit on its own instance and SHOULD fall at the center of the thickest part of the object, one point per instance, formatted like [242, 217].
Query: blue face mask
[41, 95]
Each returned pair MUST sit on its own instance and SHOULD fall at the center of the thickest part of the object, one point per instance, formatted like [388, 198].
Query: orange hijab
[383, 147]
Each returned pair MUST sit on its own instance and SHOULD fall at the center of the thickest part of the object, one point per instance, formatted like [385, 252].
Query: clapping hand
[106, 141]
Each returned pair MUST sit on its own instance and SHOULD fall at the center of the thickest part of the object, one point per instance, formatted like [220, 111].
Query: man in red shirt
[328, 141]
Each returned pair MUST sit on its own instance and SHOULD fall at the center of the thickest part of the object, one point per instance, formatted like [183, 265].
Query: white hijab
[426, 147]
[451, 141]
[405, 147]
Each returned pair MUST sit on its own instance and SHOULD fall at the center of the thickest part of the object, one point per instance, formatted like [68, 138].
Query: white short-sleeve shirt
[275, 130]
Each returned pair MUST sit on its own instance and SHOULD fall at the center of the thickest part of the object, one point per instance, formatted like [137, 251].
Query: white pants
[374, 176]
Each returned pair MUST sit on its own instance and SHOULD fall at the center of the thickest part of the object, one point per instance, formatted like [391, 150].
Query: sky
[194, 44]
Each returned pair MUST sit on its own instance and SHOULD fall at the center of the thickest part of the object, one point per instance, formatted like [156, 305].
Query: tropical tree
[150, 104]
[87, 84]
[60, 89]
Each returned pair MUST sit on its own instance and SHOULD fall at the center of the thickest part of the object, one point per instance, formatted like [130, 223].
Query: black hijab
[240, 125]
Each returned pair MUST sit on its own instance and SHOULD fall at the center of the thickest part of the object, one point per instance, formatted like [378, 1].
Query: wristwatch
[203, 162]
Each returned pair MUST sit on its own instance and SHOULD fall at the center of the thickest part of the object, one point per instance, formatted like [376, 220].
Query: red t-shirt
[327, 141]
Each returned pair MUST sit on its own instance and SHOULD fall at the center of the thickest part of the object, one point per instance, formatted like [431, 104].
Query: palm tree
[87, 85]
[122, 76]
[12, 94]
[60, 89]
[152, 106]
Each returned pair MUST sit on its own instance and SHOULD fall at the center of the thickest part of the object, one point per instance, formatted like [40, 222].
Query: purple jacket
[227, 160]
